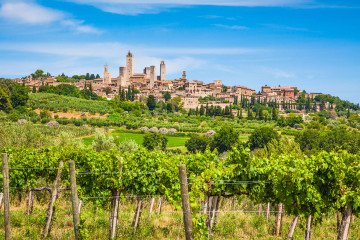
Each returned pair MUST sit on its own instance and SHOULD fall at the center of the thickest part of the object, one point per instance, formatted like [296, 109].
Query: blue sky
[312, 44]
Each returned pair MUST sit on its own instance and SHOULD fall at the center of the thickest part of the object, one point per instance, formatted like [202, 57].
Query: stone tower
[107, 75]
[130, 64]
[123, 77]
[184, 75]
[162, 71]
[147, 72]
[152, 76]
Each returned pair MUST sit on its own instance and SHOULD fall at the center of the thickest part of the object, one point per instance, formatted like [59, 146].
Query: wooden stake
[278, 220]
[30, 202]
[6, 196]
[51, 207]
[344, 230]
[1, 200]
[260, 210]
[267, 214]
[308, 228]
[186, 203]
[114, 217]
[158, 210]
[137, 216]
[292, 227]
[74, 199]
[151, 206]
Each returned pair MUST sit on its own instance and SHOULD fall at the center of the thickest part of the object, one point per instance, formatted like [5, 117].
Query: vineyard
[308, 190]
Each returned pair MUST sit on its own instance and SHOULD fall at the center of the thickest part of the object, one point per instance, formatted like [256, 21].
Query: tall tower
[130, 64]
[162, 71]
[152, 76]
[123, 77]
[107, 75]
[184, 75]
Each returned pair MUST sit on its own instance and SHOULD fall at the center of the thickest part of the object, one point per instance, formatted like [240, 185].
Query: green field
[139, 138]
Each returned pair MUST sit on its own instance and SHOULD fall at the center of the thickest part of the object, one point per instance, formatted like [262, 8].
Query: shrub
[155, 140]
[103, 143]
[127, 146]
[22, 121]
[262, 136]
[210, 133]
[53, 124]
[197, 143]
[224, 139]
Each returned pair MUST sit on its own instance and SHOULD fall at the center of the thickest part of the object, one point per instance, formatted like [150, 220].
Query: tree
[169, 107]
[197, 143]
[224, 139]
[155, 140]
[87, 76]
[250, 114]
[19, 96]
[202, 110]
[274, 114]
[166, 96]
[261, 136]
[97, 76]
[261, 114]
[39, 73]
[5, 102]
[107, 90]
[34, 89]
[151, 103]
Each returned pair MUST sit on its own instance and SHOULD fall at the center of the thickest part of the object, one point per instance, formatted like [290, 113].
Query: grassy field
[173, 142]
[167, 225]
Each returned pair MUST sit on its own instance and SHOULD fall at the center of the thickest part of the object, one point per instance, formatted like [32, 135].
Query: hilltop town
[190, 91]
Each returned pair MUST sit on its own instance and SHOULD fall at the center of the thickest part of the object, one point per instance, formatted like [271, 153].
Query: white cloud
[29, 13]
[135, 7]
[73, 57]
[278, 73]
[234, 27]
[248, 3]
[114, 49]
[22, 12]
[79, 27]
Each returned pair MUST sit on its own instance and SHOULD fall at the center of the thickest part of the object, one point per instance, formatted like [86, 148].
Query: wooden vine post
[6, 196]
[186, 203]
[308, 228]
[115, 203]
[74, 199]
[51, 207]
[278, 219]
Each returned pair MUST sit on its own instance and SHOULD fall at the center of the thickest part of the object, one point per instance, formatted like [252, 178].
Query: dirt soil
[73, 114]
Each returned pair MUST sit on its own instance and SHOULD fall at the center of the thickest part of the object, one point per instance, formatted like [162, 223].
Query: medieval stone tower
[152, 76]
[162, 71]
[107, 75]
[130, 64]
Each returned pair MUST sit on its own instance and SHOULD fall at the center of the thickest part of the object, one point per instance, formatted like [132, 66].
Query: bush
[52, 124]
[224, 139]
[127, 146]
[103, 143]
[155, 140]
[197, 143]
[262, 136]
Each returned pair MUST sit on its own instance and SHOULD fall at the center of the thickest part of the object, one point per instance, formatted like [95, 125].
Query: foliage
[153, 140]
[261, 136]
[224, 139]
[151, 103]
[54, 102]
[5, 102]
[197, 143]
[103, 142]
